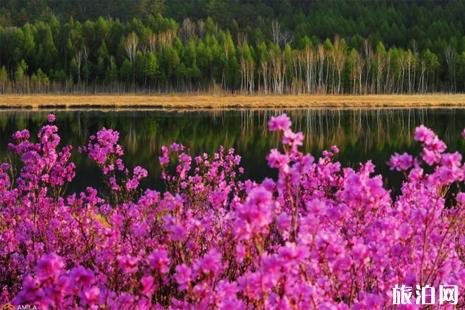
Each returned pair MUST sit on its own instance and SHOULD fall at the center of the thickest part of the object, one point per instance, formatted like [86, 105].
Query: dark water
[361, 134]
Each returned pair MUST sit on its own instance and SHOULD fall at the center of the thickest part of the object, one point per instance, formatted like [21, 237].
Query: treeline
[430, 23]
[158, 54]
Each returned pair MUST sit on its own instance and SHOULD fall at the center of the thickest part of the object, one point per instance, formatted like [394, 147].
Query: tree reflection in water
[360, 133]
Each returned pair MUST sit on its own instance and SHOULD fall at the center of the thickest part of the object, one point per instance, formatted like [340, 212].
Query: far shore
[195, 101]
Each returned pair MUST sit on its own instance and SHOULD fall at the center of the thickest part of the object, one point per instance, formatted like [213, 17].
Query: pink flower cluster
[319, 236]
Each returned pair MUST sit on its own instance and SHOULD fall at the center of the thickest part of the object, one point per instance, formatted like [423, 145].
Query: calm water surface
[361, 134]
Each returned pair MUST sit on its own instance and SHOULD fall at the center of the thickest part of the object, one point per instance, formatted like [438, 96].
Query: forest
[233, 46]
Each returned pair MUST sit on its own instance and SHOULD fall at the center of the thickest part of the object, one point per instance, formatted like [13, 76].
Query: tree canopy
[270, 46]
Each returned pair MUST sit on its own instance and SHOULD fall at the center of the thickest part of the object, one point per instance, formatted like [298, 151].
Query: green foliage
[276, 46]
[20, 71]
[3, 75]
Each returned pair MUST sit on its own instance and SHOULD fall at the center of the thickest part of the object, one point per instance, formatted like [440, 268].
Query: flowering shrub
[319, 236]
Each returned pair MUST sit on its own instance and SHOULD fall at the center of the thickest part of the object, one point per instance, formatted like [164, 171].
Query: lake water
[361, 134]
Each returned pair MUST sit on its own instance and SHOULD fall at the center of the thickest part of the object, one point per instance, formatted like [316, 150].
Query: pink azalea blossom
[318, 234]
[49, 266]
[148, 285]
[159, 260]
[401, 162]
[183, 276]
[128, 263]
[277, 159]
[279, 123]
[51, 118]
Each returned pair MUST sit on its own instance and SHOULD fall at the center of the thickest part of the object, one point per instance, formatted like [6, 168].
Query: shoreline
[196, 101]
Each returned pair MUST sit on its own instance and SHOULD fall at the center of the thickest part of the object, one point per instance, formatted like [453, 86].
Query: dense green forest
[262, 46]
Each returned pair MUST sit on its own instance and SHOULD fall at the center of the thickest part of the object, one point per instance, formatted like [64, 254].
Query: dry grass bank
[229, 101]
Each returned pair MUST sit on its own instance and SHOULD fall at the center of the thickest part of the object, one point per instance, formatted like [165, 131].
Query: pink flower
[424, 134]
[183, 276]
[293, 139]
[22, 134]
[360, 253]
[164, 159]
[210, 263]
[277, 159]
[128, 263]
[51, 118]
[401, 162]
[240, 253]
[430, 157]
[31, 292]
[313, 235]
[140, 172]
[91, 295]
[132, 184]
[49, 266]
[254, 216]
[82, 277]
[159, 260]
[176, 231]
[291, 251]
[461, 198]
[281, 122]
[148, 285]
